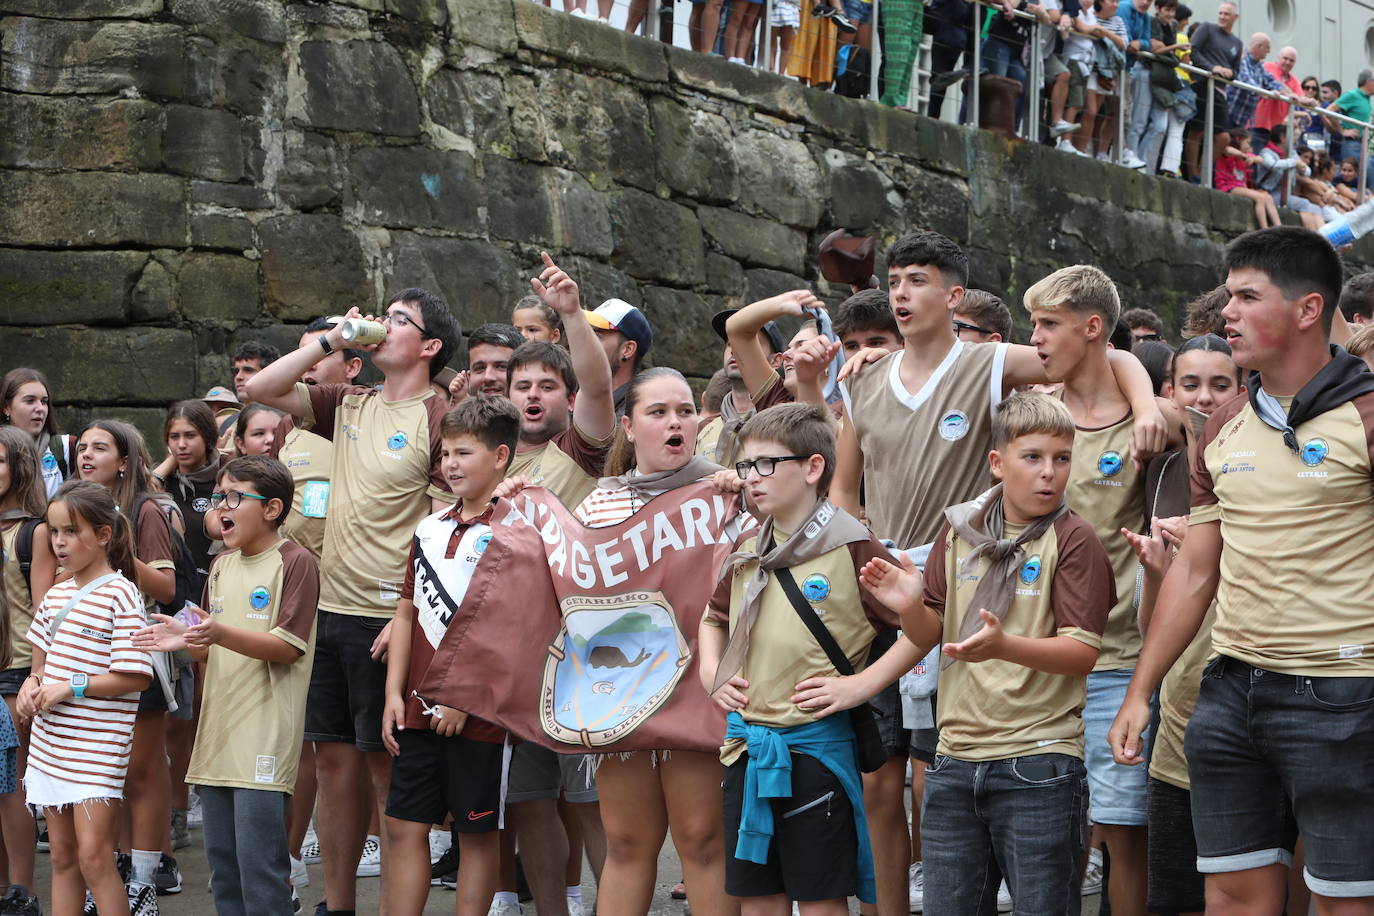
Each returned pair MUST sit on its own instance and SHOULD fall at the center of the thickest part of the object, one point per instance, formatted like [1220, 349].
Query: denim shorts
[11, 679]
[858, 11]
[1021, 818]
[1118, 794]
[1274, 755]
[347, 688]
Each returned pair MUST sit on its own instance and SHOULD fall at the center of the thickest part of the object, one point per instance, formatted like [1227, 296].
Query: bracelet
[324, 345]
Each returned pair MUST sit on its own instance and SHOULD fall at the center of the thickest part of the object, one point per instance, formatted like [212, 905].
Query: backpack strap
[64, 443]
[23, 546]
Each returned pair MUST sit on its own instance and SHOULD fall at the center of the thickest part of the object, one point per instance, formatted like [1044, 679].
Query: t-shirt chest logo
[396, 441]
[49, 462]
[200, 504]
[1030, 570]
[953, 425]
[479, 546]
[1314, 452]
[259, 598]
[815, 587]
[1109, 464]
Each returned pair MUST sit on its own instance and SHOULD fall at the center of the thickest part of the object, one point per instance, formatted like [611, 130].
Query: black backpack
[23, 548]
[189, 582]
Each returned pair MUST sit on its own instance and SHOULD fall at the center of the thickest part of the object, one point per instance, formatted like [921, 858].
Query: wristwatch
[79, 682]
[324, 345]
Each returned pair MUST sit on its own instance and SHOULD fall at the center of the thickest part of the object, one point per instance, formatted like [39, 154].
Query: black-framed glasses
[1140, 337]
[232, 499]
[960, 326]
[1310, 87]
[764, 465]
[401, 319]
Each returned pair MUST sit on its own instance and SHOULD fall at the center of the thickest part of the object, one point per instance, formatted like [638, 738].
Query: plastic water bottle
[1348, 228]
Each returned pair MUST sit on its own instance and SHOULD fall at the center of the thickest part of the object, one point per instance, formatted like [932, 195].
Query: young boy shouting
[446, 763]
[1073, 311]
[794, 822]
[1018, 587]
[256, 637]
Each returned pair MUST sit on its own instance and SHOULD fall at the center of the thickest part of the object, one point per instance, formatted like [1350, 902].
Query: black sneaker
[88, 908]
[167, 879]
[822, 11]
[948, 78]
[142, 901]
[19, 902]
[843, 22]
[450, 880]
[445, 867]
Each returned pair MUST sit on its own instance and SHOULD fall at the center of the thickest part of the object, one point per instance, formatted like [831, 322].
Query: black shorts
[347, 688]
[11, 679]
[152, 699]
[1175, 886]
[887, 704]
[435, 776]
[815, 849]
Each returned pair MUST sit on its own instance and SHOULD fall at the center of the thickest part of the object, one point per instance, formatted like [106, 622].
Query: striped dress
[79, 749]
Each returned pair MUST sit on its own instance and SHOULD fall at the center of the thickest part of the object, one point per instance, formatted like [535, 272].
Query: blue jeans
[1140, 107]
[1273, 755]
[1021, 818]
[1118, 792]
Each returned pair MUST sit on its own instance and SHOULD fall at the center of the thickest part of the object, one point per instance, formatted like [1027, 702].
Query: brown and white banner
[584, 639]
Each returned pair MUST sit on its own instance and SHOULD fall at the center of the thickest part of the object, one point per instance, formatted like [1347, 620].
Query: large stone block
[54, 132]
[212, 230]
[479, 281]
[417, 186]
[311, 266]
[261, 20]
[231, 196]
[154, 296]
[135, 365]
[597, 282]
[486, 23]
[359, 85]
[471, 104]
[311, 176]
[224, 71]
[544, 206]
[107, 57]
[596, 127]
[657, 240]
[86, 208]
[682, 330]
[754, 241]
[762, 283]
[694, 152]
[219, 286]
[67, 287]
[716, 76]
[779, 178]
[85, 9]
[590, 43]
[858, 191]
[203, 143]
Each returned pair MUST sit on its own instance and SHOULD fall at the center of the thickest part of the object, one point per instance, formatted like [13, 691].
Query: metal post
[767, 34]
[1209, 126]
[1030, 112]
[976, 70]
[1288, 154]
[1122, 100]
[651, 19]
[1364, 157]
[875, 55]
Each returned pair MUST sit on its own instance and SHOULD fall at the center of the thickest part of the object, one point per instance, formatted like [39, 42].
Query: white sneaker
[300, 875]
[738, 60]
[505, 908]
[1064, 146]
[1103, 157]
[1132, 161]
[1092, 875]
[1060, 128]
[575, 906]
[1003, 898]
[916, 887]
[370, 865]
[439, 843]
[581, 14]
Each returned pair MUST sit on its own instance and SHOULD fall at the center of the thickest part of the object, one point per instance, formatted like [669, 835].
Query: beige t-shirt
[1297, 537]
[17, 592]
[1107, 490]
[384, 473]
[719, 443]
[996, 709]
[782, 650]
[926, 451]
[252, 712]
[1177, 698]
[568, 465]
[308, 457]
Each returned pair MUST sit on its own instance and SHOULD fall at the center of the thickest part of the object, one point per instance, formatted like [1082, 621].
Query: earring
[121, 475]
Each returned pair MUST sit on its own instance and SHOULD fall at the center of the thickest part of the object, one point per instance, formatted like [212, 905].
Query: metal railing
[1031, 115]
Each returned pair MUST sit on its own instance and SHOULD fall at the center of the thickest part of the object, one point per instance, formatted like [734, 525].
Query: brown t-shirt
[1297, 536]
[1107, 490]
[252, 712]
[308, 457]
[20, 602]
[384, 473]
[153, 543]
[926, 451]
[997, 709]
[568, 465]
[782, 650]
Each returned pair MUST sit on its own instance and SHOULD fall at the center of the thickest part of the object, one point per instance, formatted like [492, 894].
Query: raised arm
[275, 385]
[594, 407]
[743, 327]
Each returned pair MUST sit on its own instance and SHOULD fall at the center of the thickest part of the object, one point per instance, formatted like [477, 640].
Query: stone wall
[179, 175]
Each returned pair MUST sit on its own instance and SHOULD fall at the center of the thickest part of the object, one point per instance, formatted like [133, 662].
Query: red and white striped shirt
[87, 741]
[604, 507]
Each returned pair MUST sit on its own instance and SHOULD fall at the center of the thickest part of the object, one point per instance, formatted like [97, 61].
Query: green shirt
[1355, 104]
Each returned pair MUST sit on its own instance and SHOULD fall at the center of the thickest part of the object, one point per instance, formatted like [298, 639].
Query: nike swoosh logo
[478, 815]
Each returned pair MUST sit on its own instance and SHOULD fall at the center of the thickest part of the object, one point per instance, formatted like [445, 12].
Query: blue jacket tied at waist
[768, 774]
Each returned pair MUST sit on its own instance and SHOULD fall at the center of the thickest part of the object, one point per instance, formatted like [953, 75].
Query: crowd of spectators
[1088, 52]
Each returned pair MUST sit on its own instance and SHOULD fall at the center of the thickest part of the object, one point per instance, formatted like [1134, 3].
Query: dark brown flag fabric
[584, 639]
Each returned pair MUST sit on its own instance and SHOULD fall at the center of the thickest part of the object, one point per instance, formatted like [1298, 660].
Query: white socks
[145, 866]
